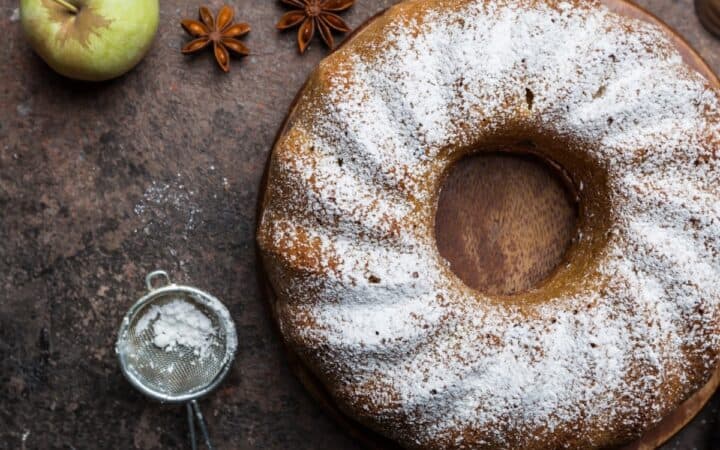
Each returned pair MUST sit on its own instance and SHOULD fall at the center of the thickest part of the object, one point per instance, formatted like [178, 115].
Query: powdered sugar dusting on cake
[407, 348]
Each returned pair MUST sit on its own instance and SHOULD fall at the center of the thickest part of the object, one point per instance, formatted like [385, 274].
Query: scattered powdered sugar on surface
[402, 344]
[178, 323]
[163, 203]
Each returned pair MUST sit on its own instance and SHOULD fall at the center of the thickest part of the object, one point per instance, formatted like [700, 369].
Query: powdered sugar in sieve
[179, 323]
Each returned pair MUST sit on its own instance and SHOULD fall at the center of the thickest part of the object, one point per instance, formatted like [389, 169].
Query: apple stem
[69, 6]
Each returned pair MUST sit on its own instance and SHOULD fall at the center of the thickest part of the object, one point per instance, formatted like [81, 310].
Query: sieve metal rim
[204, 298]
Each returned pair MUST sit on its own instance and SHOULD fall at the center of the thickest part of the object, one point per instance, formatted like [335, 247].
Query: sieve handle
[201, 422]
[154, 275]
[191, 426]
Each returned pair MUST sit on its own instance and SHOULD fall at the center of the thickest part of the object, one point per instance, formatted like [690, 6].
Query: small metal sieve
[178, 372]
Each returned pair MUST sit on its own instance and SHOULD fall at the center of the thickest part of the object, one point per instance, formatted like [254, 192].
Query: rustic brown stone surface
[101, 183]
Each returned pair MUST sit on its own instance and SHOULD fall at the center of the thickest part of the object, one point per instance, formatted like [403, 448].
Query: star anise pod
[315, 14]
[220, 31]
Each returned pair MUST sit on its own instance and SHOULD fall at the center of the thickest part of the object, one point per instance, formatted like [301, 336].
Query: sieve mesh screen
[177, 369]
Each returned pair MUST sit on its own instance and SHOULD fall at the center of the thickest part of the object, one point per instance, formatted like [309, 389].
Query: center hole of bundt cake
[504, 221]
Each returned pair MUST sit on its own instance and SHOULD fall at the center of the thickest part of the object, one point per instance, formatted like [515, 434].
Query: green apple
[90, 40]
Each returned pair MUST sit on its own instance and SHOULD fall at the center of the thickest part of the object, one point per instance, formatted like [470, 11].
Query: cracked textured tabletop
[102, 183]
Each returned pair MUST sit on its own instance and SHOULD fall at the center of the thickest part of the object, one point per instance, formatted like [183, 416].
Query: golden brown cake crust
[296, 259]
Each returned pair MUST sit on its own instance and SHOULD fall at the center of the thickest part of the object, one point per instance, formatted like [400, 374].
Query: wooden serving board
[504, 222]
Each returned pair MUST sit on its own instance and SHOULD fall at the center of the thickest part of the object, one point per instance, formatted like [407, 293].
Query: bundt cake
[616, 338]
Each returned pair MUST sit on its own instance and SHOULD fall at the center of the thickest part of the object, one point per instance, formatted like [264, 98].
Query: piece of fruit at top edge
[91, 40]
